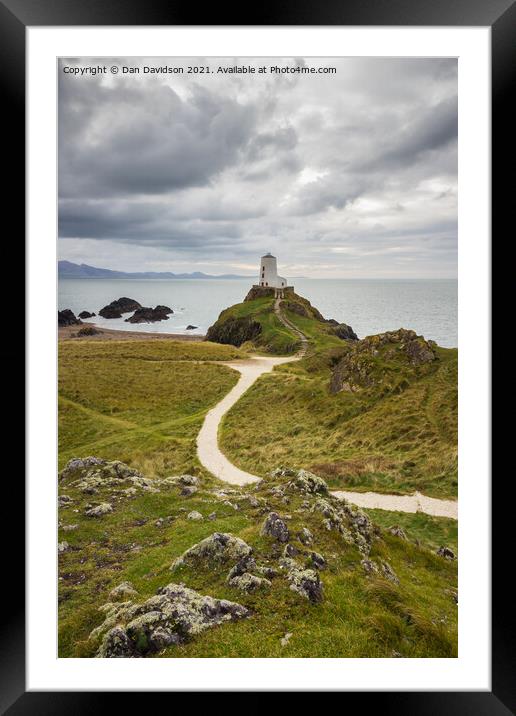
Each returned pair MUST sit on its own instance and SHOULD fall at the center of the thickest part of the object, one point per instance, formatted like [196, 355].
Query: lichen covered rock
[219, 548]
[248, 583]
[93, 474]
[275, 527]
[123, 590]
[100, 510]
[170, 617]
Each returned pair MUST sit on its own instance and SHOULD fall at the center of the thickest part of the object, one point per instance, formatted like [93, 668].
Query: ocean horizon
[370, 306]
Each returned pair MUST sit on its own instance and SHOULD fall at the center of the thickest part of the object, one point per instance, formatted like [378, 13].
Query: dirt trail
[214, 460]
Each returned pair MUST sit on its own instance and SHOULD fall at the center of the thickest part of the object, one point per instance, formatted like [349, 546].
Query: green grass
[359, 617]
[432, 532]
[386, 439]
[143, 403]
[140, 402]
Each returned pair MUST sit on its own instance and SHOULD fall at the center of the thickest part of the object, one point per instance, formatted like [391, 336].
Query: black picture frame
[500, 16]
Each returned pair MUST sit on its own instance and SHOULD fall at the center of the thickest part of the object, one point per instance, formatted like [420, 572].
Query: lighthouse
[269, 273]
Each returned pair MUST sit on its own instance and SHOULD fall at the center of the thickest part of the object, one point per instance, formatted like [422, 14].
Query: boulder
[194, 515]
[305, 536]
[190, 327]
[248, 583]
[62, 547]
[234, 331]
[275, 527]
[93, 474]
[100, 510]
[86, 314]
[345, 332]
[170, 617]
[317, 560]
[125, 589]
[305, 582]
[67, 318]
[119, 306]
[149, 315]
[219, 548]
[446, 552]
[397, 532]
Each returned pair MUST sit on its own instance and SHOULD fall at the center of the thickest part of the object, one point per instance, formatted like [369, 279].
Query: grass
[143, 403]
[140, 402]
[359, 617]
[385, 439]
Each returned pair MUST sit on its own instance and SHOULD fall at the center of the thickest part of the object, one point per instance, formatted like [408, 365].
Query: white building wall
[269, 273]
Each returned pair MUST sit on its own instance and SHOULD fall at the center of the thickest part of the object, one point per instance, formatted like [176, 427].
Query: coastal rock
[170, 617]
[345, 332]
[219, 548]
[67, 318]
[119, 306]
[149, 315]
[190, 327]
[100, 510]
[88, 331]
[234, 331]
[86, 314]
[275, 527]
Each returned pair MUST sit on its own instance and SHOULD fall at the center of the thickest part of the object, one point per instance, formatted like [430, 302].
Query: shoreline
[109, 334]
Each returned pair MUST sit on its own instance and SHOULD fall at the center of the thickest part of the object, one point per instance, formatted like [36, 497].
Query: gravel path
[214, 460]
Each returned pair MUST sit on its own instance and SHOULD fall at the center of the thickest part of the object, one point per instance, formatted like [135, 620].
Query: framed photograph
[258, 437]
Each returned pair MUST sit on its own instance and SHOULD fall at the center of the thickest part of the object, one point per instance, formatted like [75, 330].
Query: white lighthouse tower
[269, 273]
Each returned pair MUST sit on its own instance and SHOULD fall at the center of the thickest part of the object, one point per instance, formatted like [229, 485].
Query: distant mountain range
[67, 269]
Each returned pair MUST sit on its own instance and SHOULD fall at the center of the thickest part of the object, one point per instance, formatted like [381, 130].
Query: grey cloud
[316, 168]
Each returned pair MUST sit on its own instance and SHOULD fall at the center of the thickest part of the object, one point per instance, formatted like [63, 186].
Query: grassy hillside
[140, 402]
[253, 323]
[409, 610]
[143, 403]
[392, 429]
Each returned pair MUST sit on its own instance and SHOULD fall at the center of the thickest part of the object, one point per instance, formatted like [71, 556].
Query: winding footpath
[214, 460]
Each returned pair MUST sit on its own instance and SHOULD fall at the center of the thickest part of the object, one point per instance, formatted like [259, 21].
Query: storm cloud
[348, 174]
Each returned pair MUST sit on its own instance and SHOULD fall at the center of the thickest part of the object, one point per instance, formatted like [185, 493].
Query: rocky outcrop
[345, 332]
[67, 318]
[305, 582]
[275, 527]
[300, 481]
[123, 590]
[234, 331]
[86, 314]
[88, 331]
[259, 292]
[368, 361]
[219, 548]
[190, 327]
[446, 552]
[92, 474]
[119, 306]
[173, 615]
[150, 315]
[99, 510]
[248, 583]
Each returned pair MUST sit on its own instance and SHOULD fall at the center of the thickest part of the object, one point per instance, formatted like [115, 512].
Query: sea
[369, 306]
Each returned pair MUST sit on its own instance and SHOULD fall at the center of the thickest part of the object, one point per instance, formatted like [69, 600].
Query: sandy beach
[109, 334]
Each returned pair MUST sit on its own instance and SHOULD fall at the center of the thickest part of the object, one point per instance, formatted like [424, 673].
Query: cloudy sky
[351, 174]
